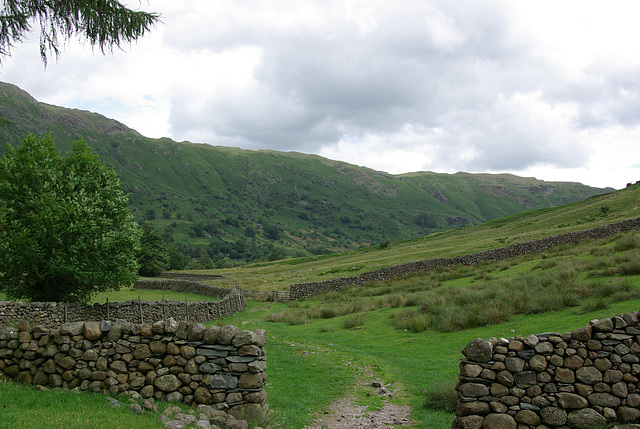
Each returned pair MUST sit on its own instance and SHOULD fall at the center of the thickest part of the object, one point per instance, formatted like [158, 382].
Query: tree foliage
[65, 227]
[103, 23]
[154, 256]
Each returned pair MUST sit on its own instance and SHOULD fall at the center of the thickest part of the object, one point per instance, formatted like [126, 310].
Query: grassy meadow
[409, 331]
[519, 228]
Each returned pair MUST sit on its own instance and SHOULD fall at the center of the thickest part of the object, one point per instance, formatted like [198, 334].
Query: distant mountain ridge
[222, 203]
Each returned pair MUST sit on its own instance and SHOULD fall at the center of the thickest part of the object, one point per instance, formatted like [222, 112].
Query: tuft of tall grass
[413, 321]
[497, 313]
[396, 300]
[327, 312]
[603, 288]
[594, 305]
[627, 243]
[290, 317]
[624, 290]
[354, 321]
[443, 398]
[631, 266]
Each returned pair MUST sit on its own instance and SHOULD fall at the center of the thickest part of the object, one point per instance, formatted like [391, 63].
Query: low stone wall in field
[167, 360]
[303, 290]
[267, 295]
[183, 285]
[190, 276]
[190, 286]
[586, 378]
[54, 314]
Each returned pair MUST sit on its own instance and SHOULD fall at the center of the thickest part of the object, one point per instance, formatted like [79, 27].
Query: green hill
[222, 204]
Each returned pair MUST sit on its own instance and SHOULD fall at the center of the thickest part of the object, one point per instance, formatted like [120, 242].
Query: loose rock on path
[344, 413]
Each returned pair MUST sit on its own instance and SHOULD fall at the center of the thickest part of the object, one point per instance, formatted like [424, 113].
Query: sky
[545, 89]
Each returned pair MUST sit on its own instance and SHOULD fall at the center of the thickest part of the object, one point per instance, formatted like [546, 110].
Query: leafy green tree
[425, 220]
[65, 229]
[150, 214]
[271, 231]
[104, 24]
[177, 260]
[154, 255]
[204, 260]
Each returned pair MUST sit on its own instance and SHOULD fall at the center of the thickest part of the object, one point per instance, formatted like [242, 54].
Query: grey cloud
[317, 84]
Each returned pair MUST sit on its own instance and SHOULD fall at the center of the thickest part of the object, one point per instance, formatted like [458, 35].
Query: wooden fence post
[140, 307]
[164, 308]
[108, 309]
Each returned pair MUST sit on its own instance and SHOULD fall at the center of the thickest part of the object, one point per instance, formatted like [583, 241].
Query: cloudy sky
[549, 89]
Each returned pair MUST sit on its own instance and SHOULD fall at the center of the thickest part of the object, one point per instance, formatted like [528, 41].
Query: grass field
[316, 347]
[409, 331]
[312, 364]
[519, 228]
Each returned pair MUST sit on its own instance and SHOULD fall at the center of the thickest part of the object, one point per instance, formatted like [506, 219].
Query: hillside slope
[242, 204]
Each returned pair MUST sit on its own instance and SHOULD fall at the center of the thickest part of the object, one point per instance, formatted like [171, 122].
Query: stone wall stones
[175, 361]
[304, 290]
[52, 314]
[586, 378]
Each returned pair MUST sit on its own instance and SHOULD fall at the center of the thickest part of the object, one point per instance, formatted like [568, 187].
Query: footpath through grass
[311, 364]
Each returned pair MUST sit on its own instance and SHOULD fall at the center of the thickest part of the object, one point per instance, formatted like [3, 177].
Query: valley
[264, 220]
[409, 331]
[223, 207]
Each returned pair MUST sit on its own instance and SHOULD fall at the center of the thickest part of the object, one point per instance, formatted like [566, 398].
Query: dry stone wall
[586, 378]
[267, 295]
[53, 314]
[304, 290]
[175, 361]
[190, 276]
[183, 285]
[190, 286]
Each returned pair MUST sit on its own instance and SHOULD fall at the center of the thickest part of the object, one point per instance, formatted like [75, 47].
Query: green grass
[416, 361]
[126, 294]
[518, 228]
[130, 293]
[314, 204]
[24, 407]
[454, 298]
[310, 365]
[410, 331]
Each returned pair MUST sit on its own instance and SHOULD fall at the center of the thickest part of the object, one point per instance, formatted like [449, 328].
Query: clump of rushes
[354, 321]
[444, 398]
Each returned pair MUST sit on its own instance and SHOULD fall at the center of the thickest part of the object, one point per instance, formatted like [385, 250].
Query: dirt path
[344, 413]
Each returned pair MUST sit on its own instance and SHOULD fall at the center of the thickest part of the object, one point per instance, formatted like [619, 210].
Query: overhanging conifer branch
[104, 24]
